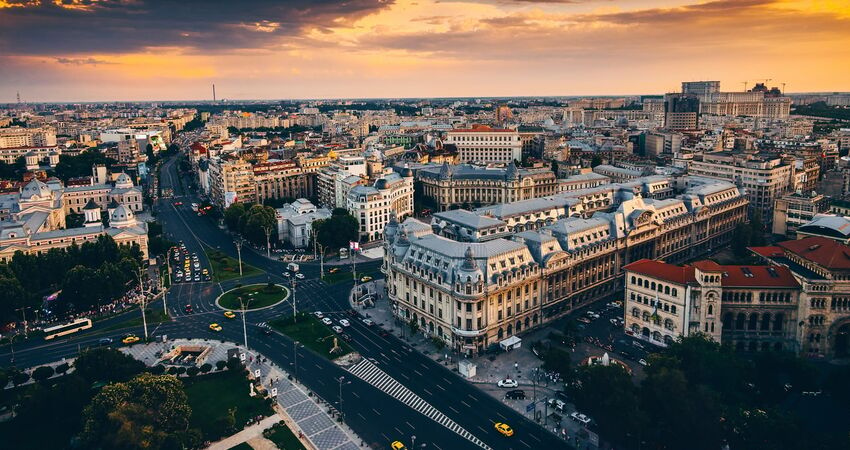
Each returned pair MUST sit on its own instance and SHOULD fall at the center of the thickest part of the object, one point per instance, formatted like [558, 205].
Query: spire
[445, 171]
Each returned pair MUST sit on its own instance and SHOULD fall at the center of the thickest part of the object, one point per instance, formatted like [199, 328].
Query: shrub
[206, 367]
[219, 365]
[192, 371]
[62, 368]
[234, 364]
[158, 369]
[20, 378]
[172, 370]
[42, 373]
[181, 370]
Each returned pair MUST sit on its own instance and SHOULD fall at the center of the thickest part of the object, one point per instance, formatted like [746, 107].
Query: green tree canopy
[338, 230]
[138, 414]
[107, 365]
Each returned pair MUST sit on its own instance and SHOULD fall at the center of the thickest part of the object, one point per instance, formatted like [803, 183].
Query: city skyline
[111, 51]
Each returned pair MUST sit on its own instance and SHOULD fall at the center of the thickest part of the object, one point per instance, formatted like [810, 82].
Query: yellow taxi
[130, 339]
[215, 327]
[397, 445]
[504, 429]
[229, 314]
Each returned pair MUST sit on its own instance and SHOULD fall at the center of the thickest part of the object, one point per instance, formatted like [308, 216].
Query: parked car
[327, 321]
[368, 322]
[318, 314]
[507, 383]
[516, 394]
[580, 418]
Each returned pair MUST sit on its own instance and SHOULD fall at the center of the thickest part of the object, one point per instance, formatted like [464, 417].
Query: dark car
[188, 309]
[516, 394]
[104, 341]
[266, 330]
[345, 337]
[627, 355]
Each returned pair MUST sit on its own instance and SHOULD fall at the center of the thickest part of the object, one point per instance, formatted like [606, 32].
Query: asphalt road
[374, 415]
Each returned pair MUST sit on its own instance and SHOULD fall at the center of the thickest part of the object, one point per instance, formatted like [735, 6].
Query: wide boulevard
[374, 415]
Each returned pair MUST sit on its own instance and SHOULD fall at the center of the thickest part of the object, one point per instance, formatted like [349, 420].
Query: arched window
[739, 321]
[667, 290]
[778, 322]
[727, 321]
[710, 309]
[754, 318]
[675, 292]
[765, 321]
[635, 312]
[652, 286]
[633, 279]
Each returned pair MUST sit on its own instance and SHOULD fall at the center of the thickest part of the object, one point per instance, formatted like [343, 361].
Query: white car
[337, 329]
[327, 321]
[580, 418]
[368, 322]
[592, 315]
[507, 383]
[318, 314]
[638, 344]
[287, 274]
[344, 322]
[300, 276]
[643, 362]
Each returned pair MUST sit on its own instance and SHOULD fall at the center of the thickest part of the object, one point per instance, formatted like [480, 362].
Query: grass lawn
[212, 396]
[153, 316]
[226, 268]
[254, 295]
[242, 446]
[312, 333]
[283, 437]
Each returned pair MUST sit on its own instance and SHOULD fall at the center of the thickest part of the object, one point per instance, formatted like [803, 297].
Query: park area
[312, 334]
[221, 404]
[226, 268]
[255, 296]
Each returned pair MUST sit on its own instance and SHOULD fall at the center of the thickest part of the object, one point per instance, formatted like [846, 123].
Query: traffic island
[254, 296]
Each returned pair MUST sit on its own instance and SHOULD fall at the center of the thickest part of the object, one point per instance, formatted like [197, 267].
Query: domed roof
[407, 172]
[123, 181]
[122, 215]
[381, 184]
[35, 190]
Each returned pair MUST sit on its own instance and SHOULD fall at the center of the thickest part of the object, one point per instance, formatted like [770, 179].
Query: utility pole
[244, 325]
[23, 310]
[238, 242]
[268, 231]
[143, 302]
[292, 285]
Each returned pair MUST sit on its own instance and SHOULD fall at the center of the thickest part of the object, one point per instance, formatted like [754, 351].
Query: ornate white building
[33, 221]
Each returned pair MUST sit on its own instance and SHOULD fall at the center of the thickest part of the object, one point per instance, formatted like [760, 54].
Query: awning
[511, 342]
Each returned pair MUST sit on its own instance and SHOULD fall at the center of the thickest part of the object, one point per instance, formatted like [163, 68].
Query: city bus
[68, 328]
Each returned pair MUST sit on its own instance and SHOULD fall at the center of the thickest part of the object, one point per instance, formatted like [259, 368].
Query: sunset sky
[93, 50]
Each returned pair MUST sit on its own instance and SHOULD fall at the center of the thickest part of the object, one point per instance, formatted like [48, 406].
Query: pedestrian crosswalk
[370, 373]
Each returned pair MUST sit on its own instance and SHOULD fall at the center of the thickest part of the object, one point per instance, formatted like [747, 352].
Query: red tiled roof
[663, 271]
[733, 276]
[767, 252]
[483, 129]
[820, 250]
[742, 276]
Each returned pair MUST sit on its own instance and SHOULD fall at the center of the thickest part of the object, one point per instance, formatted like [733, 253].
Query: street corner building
[474, 279]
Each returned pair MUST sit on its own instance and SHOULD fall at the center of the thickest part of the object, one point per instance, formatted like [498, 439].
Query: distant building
[373, 206]
[681, 111]
[483, 144]
[795, 210]
[836, 228]
[295, 222]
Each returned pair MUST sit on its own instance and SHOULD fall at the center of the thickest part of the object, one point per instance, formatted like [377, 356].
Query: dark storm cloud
[117, 26]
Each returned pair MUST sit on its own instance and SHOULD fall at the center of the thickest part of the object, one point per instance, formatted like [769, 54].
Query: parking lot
[186, 266]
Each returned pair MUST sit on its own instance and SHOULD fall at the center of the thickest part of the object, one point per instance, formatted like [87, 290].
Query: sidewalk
[517, 364]
[245, 435]
[305, 414]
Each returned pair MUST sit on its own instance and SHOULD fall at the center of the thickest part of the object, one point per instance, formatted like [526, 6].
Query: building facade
[795, 210]
[373, 206]
[750, 308]
[475, 294]
[483, 144]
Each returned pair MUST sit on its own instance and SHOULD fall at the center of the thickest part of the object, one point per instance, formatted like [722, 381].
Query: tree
[220, 365]
[78, 166]
[140, 413]
[42, 373]
[338, 230]
[233, 215]
[12, 297]
[234, 364]
[558, 360]
[256, 222]
[61, 369]
[607, 394]
[19, 378]
[107, 364]
[206, 367]
[741, 239]
[595, 161]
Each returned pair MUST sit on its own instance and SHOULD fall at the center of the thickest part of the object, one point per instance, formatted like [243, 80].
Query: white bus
[68, 328]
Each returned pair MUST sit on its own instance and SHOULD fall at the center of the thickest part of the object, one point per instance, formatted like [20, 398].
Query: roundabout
[256, 297]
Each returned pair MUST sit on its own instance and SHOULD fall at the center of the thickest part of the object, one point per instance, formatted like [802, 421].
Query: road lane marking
[426, 390]
[525, 444]
[535, 438]
[466, 404]
[411, 426]
[455, 411]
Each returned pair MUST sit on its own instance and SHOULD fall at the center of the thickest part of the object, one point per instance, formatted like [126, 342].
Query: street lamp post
[238, 242]
[413, 441]
[143, 302]
[341, 381]
[292, 284]
[268, 231]
[295, 346]
[244, 325]
[23, 310]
